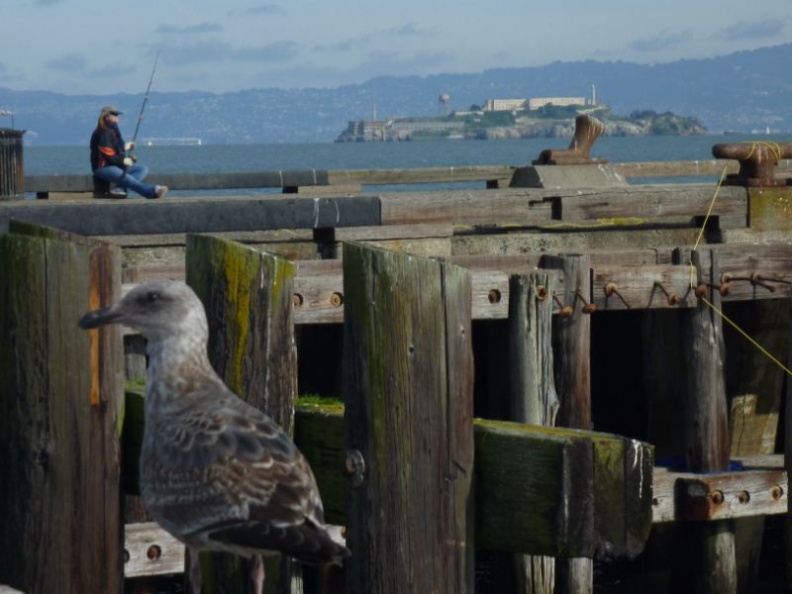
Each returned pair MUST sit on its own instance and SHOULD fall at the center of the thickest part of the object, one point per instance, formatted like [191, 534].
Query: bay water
[384, 155]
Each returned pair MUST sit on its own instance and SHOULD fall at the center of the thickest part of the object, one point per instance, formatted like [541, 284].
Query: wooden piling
[533, 399]
[709, 563]
[408, 412]
[248, 299]
[755, 385]
[572, 362]
[60, 406]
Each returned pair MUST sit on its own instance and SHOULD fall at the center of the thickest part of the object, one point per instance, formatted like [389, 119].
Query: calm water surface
[265, 157]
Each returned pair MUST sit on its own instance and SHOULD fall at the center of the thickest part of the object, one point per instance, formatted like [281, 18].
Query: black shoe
[114, 195]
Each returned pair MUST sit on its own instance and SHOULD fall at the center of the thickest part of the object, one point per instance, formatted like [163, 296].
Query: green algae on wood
[408, 394]
[248, 299]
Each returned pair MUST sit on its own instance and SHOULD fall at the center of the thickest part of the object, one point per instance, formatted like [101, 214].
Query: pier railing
[300, 181]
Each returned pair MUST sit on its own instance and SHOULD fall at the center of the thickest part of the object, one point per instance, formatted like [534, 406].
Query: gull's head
[157, 310]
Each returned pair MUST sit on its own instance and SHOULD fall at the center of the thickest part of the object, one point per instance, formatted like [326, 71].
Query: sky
[94, 47]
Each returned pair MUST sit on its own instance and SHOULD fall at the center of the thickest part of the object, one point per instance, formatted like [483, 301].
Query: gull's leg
[195, 571]
[257, 574]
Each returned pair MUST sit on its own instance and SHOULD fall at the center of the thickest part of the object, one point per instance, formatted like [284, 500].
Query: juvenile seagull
[215, 472]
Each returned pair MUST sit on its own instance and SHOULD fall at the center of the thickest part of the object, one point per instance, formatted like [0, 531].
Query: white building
[539, 102]
[531, 104]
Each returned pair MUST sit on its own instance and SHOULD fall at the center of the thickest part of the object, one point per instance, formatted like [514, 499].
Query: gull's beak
[99, 317]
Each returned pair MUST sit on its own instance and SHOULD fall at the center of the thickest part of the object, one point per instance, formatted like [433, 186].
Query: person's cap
[110, 110]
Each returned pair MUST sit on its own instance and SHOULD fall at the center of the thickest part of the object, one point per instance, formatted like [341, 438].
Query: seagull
[215, 472]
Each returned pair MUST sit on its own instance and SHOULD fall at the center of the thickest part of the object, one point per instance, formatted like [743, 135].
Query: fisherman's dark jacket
[107, 148]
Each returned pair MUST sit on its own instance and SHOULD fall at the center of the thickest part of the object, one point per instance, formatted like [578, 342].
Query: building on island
[532, 104]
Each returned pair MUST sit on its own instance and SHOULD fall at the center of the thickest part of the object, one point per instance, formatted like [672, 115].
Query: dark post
[248, 299]
[533, 398]
[755, 385]
[408, 369]
[12, 169]
[709, 563]
[788, 443]
[572, 346]
[59, 409]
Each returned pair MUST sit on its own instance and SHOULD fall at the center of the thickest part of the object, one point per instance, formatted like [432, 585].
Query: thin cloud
[361, 42]
[47, 2]
[220, 51]
[662, 41]
[111, 72]
[200, 28]
[265, 9]
[753, 30]
[68, 62]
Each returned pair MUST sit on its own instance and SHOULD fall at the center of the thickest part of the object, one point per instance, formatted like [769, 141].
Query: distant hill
[743, 91]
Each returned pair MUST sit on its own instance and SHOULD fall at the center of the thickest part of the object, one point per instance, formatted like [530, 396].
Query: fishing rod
[145, 100]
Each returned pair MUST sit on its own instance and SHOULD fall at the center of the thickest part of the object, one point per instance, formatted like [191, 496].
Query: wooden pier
[523, 383]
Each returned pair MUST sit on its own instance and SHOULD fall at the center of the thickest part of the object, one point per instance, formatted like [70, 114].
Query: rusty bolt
[701, 291]
[541, 292]
[354, 467]
[717, 497]
[613, 289]
[563, 310]
[743, 497]
[297, 300]
[672, 298]
[154, 552]
[777, 492]
[336, 299]
[126, 556]
[587, 307]
[494, 296]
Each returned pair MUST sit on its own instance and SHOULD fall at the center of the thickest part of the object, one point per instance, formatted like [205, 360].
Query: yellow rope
[744, 334]
[711, 305]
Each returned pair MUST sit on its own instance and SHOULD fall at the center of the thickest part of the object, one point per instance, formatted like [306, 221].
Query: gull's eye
[149, 298]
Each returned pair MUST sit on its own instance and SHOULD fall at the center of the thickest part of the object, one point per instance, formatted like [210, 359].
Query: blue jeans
[131, 178]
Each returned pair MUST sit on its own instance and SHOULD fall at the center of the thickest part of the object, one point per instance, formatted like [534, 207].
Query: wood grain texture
[408, 393]
[61, 407]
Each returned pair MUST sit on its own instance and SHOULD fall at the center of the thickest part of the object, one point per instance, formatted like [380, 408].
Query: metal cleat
[757, 162]
[587, 130]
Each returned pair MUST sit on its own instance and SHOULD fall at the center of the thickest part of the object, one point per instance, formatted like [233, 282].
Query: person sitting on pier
[111, 164]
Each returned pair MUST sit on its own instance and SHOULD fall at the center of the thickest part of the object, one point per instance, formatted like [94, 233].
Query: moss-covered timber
[60, 405]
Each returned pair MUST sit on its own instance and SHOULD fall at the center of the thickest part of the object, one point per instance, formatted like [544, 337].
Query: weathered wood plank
[415, 175]
[408, 396]
[634, 204]
[572, 346]
[189, 181]
[467, 207]
[554, 491]
[641, 287]
[59, 415]
[532, 394]
[199, 215]
[149, 550]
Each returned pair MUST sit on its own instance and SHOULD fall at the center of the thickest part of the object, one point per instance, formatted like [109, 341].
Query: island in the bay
[536, 117]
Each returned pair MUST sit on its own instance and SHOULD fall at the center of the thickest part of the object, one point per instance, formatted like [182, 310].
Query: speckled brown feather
[215, 472]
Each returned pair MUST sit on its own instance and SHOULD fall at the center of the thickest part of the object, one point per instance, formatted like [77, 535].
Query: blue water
[265, 157]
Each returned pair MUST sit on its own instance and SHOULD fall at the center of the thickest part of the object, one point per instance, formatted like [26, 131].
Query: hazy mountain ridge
[743, 91]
